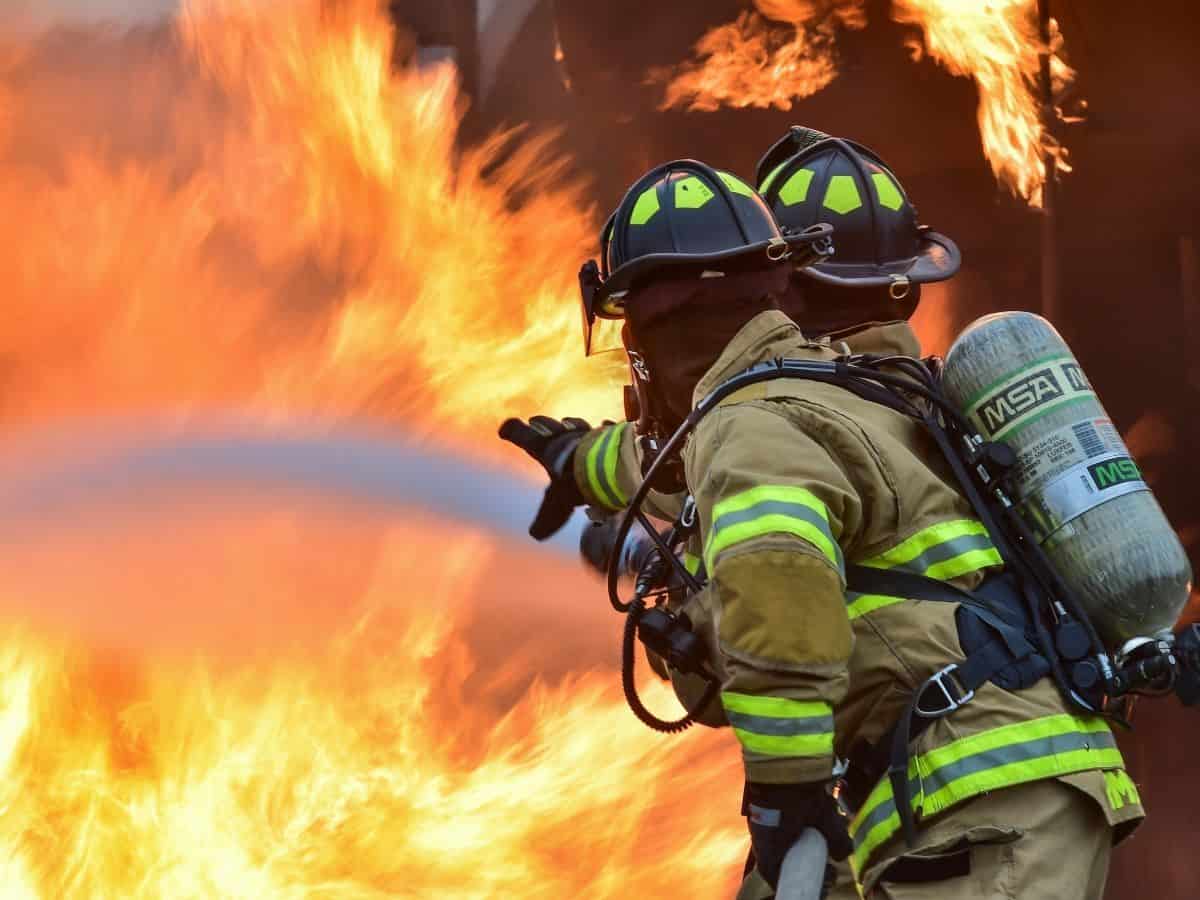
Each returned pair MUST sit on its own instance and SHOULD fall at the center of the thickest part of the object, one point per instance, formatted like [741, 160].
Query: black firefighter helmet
[809, 177]
[685, 215]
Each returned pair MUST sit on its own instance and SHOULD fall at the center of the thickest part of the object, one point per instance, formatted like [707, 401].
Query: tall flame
[751, 62]
[277, 220]
[254, 211]
[997, 45]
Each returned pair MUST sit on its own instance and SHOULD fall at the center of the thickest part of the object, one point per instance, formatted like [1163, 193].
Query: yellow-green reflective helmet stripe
[770, 179]
[795, 189]
[645, 208]
[889, 195]
[692, 193]
[736, 185]
[842, 195]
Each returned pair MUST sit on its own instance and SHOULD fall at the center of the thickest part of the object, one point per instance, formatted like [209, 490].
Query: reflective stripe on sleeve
[942, 551]
[772, 509]
[860, 604]
[601, 467]
[998, 758]
[777, 726]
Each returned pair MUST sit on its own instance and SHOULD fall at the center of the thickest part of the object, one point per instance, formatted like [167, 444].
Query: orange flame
[751, 63]
[997, 45]
[387, 765]
[278, 221]
[253, 211]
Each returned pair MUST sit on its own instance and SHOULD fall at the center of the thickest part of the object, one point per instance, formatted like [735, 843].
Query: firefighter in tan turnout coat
[1012, 794]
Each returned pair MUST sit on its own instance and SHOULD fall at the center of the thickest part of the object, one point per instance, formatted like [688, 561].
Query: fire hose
[802, 876]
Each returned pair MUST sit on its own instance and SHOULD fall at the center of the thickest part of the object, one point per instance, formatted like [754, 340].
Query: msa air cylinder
[1076, 485]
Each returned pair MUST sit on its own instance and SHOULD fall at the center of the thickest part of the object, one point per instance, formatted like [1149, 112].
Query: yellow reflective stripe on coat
[998, 758]
[942, 551]
[601, 468]
[777, 726]
[860, 604]
[691, 562]
[772, 509]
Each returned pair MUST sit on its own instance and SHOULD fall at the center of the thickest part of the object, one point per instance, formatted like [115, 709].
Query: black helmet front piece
[809, 177]
[679, 216]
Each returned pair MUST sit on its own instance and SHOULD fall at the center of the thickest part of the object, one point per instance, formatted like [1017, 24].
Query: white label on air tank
[1051, 455]
[1006, 407]
[1081, 488]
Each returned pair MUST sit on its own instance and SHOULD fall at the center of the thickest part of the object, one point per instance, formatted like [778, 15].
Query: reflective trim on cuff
[601, 468]
[778, 726]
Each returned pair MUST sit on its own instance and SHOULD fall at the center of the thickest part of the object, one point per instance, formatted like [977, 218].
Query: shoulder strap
[898, 583]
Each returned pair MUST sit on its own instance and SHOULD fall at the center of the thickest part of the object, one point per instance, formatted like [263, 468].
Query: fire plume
[785, 52]
[252, 210]
[279, 223]
[751, 62]
[997, 45]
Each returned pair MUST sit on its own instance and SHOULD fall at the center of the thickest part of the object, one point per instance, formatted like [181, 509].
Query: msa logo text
[1114, 472]
[1075, 377]
[1019, 398]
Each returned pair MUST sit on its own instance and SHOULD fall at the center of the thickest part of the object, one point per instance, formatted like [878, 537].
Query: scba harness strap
[997, 648]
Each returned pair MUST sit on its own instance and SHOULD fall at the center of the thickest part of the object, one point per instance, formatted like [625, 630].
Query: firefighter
[1009, 792]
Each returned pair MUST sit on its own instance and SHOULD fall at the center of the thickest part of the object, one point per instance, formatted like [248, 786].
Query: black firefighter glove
[777, 815]
[552, 443]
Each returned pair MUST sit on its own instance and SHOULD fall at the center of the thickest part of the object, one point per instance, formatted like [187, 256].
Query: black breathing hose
[628, 659]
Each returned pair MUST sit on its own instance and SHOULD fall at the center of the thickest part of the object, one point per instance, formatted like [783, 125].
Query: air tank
[1082, 494]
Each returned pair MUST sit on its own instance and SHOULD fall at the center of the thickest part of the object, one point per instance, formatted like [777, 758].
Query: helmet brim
[937, 259]
[609, 299]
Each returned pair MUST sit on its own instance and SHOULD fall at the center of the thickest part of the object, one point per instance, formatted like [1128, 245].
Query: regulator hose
[628, 659]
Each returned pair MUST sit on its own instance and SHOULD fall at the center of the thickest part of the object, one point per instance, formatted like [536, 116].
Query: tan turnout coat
[792, 479]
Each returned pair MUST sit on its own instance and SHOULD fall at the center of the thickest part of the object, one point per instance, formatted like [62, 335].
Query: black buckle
[948, 688]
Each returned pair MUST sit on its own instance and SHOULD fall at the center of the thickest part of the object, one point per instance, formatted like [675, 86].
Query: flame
[385, 766]
[750, 62]
[281, 224]
[251, 210]
[997, 45]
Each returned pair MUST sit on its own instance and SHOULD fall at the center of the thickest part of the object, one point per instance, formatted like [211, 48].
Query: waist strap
[946, 690]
